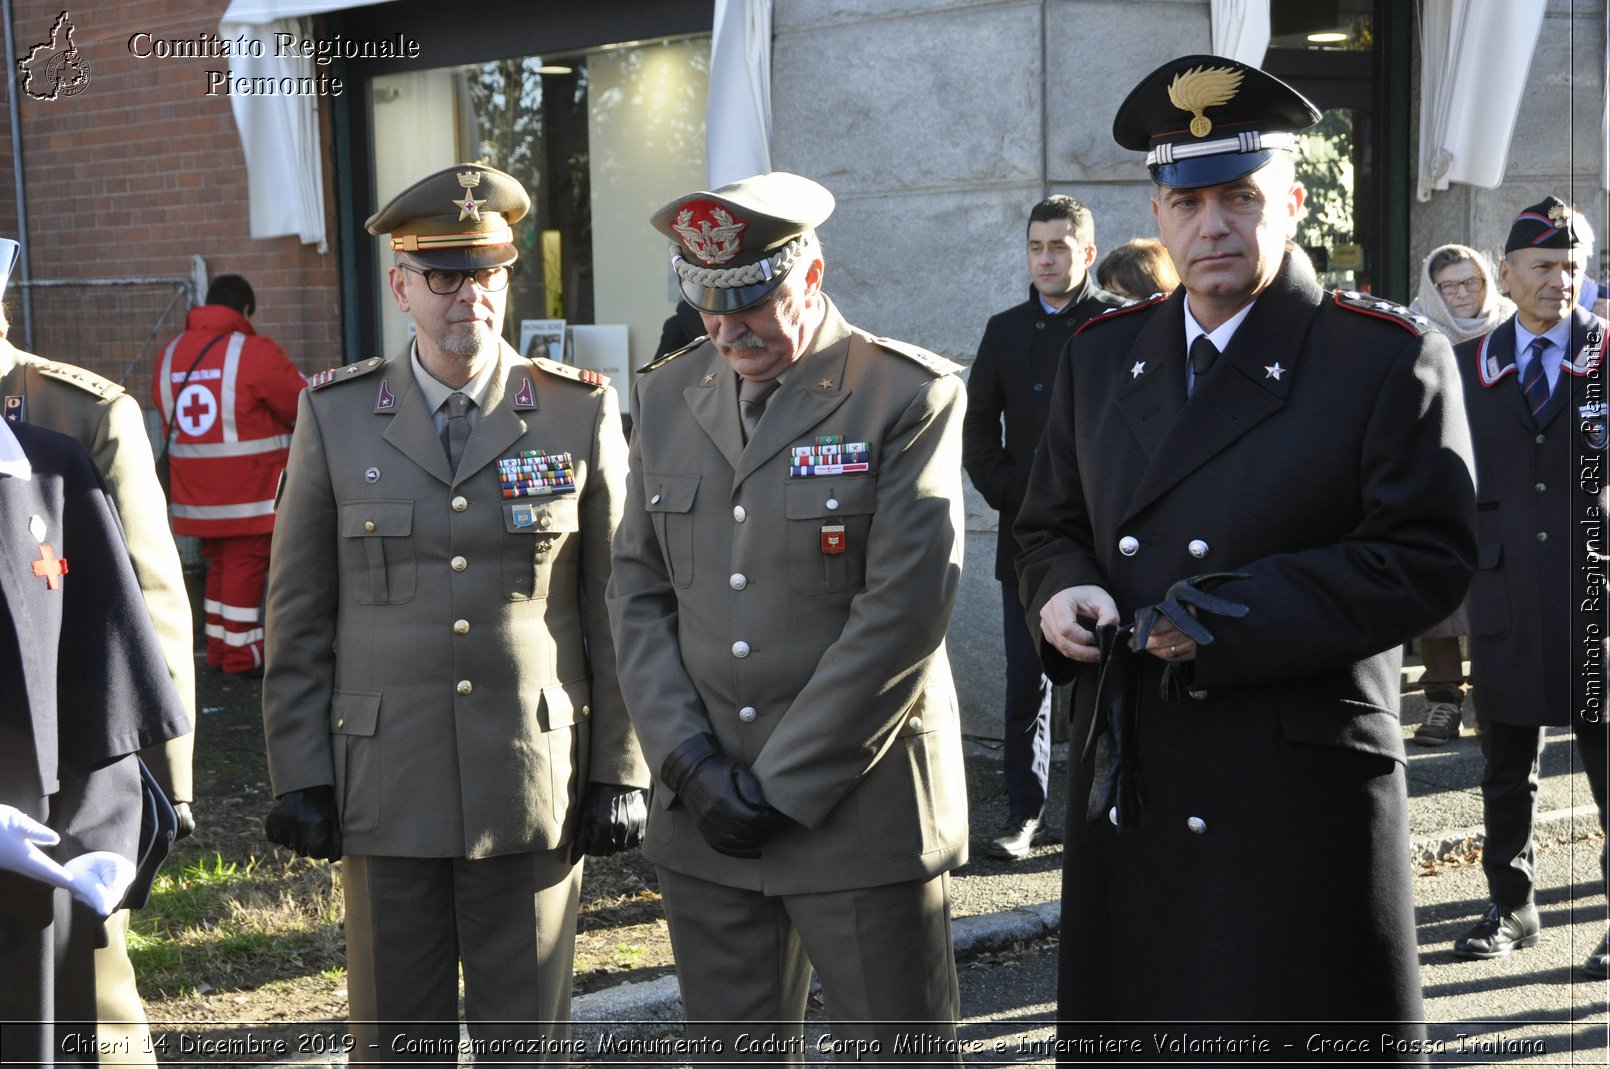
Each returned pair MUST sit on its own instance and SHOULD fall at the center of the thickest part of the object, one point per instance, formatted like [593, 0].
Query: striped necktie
[1534, 381]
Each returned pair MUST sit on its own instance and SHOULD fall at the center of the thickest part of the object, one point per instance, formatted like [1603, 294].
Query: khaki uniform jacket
[826, 673]
[107, 421]
[439, 654]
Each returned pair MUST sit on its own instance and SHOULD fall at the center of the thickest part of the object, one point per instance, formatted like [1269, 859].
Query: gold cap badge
[1200, 88]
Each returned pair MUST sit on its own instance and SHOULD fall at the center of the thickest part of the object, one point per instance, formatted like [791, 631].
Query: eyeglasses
[447, 283]
[1469, 285]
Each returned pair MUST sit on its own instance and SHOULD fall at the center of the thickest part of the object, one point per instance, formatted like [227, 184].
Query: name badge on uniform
[833, 539]
[524, 516]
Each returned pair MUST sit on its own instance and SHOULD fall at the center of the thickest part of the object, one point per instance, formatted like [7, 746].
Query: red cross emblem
[50, 567]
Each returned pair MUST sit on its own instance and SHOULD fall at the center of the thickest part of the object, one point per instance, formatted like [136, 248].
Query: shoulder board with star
[584, 375]
[87, 381]
[1122, 310]
[917, 354]
[673, 354]
[345, 373]
[1390, 311]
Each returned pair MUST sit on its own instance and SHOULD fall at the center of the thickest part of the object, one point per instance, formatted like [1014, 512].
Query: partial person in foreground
[1535, 391]
[106, 420]
[1137, 269]
[1250, 493]
[440, 704]
[784, 574]
[83, 688]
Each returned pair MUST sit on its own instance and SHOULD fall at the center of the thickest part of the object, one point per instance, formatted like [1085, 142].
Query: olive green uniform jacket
[438, 653]
[825, 672]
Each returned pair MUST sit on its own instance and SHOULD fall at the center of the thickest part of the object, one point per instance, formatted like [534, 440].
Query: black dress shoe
[1498, 933]
[1017, 838]
[1598, 963]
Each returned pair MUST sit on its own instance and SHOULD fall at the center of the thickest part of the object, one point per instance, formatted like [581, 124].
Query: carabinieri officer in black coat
[1273, 516]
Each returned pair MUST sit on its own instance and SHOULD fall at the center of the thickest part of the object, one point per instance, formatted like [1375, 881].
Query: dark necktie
[1203, 353]
[1534, 381]
[457, 431]
[752, 402]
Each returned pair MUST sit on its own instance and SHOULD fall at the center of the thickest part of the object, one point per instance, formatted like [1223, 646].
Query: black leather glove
[613, 819]
[1177, 605]
[725, 797]
[187, 821]
[307, 822]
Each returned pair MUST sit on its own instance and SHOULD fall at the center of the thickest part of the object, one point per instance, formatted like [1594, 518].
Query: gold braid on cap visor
[470, 239]
[726, 278]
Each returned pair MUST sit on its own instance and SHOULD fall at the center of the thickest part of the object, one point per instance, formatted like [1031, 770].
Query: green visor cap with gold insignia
[458, 219]
[736, 244]
[1206, 120]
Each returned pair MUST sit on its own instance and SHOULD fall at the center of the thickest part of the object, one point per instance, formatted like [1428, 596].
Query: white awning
[1475, 56]
[1241, 30]
[738, 116]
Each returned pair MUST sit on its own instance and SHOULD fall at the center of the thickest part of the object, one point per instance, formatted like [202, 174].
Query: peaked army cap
[460, 218]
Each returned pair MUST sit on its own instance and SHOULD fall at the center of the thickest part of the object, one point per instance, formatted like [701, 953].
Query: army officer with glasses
[440, 702]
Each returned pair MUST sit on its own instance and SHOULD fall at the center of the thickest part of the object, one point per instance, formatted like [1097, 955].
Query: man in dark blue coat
[1534, 389]
[1010, 384]
[1276, 513]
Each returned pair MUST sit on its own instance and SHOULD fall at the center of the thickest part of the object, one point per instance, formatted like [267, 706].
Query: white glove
[100, 879]
[21, 836]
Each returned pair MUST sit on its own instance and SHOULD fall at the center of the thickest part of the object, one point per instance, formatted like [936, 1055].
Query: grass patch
[216, 924]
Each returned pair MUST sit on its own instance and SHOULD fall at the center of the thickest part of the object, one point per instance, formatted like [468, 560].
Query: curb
[652, 1007]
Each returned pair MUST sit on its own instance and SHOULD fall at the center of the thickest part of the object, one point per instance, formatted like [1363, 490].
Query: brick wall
[133, 176]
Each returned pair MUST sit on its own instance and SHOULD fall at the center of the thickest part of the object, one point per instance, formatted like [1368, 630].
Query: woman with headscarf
[1458, 293]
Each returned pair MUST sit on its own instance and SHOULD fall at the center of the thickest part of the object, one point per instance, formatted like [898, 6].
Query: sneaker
[1498, 933]
[1441, 726]
[1017, 838]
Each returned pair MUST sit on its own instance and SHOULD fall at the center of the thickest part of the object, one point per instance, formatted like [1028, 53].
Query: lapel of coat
[1585, 351]
[24, 592]
[499, 425]
[814, 388]
[713, 401]
[411, 431]
[1243, 390]
[1500, 374]
[1151, 400]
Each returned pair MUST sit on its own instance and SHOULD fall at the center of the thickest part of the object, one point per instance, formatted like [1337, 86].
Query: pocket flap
[377, 519]
[820, 496]
[1489, 555]
[558, 515]
[565, 704]
[669, 493]
[354, 713]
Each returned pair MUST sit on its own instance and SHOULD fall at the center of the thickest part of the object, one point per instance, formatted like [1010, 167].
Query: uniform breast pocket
[376, 538]
[829, 520]
[534, 533]
[670, 507]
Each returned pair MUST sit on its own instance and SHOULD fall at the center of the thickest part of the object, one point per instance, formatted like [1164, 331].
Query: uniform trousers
[510, 920]
[1026, 754]
[237, 574]
[1509, 801]
[883, 954]
[125, 1038]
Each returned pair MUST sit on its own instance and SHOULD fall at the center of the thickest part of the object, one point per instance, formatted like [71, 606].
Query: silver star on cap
[1138, 370]
[1274, 371]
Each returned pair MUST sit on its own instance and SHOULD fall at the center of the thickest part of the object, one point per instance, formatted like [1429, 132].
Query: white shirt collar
[1219, 336]
[13, 461]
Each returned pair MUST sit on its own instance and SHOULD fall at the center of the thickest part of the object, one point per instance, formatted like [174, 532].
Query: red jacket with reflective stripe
[230, 423]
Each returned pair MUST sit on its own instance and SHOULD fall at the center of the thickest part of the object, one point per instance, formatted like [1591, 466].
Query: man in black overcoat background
[1008, 399]
[1534, 389]
[1313, 450]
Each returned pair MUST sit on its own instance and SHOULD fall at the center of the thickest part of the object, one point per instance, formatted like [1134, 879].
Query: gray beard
[467, 340]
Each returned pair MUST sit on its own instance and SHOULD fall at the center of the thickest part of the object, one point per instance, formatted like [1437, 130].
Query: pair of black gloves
[612, 819]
